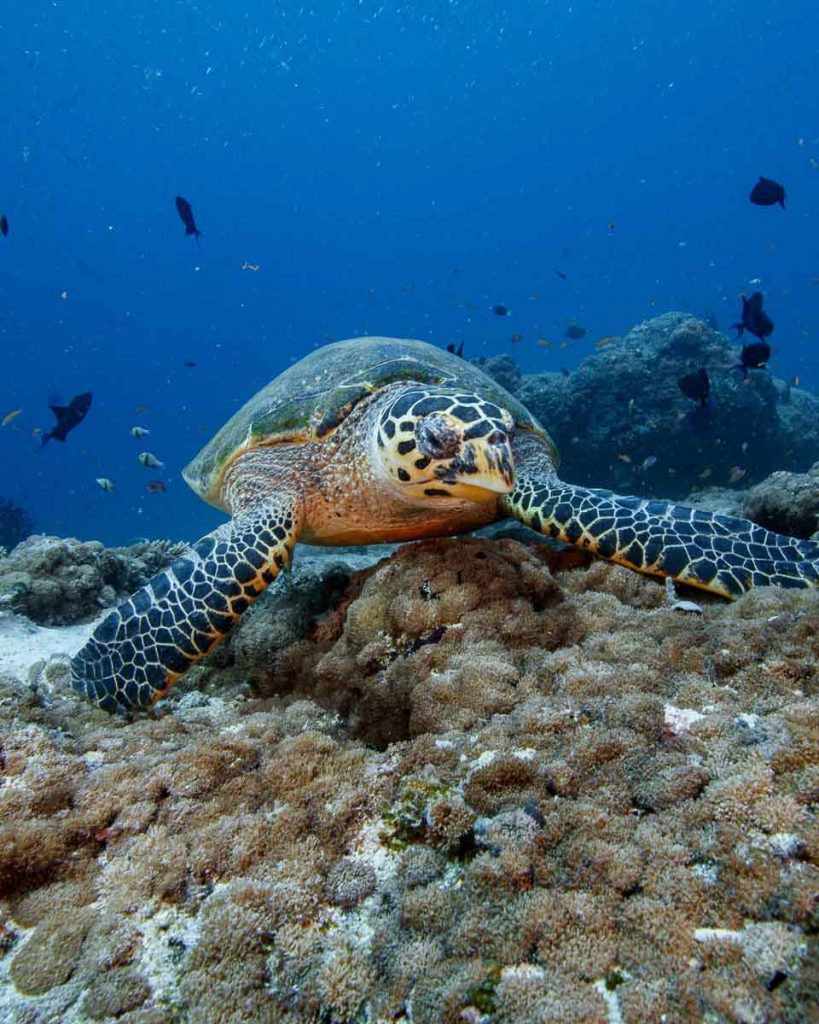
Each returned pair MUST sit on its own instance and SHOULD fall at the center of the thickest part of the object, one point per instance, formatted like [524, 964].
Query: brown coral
[514, 794]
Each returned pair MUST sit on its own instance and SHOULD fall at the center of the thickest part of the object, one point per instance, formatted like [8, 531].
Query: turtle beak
[483, 463]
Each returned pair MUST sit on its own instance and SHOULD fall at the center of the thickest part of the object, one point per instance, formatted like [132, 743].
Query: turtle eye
[436, 438]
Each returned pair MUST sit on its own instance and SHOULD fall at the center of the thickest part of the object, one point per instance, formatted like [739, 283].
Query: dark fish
[754, 320]
[189, 364]
[696, 386]
[156, 487]
[767, 192]
[183, 208]
[575, 332]
[68, 416]
[4, 225]
[561, 275]
[564, 371]
[500, 310]
[754, 356]
[459, 351]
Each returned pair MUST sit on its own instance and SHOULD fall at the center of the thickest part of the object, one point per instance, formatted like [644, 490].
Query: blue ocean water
[389, 169]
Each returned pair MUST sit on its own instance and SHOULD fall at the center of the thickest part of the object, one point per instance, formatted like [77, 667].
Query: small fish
[544, 343]
[501, 310]
[754, 357]
[183, 208]
[156, 487]
[767, 192]
[10, 416]
[459, 351]
[648, 462]
[795, 381]
[104, 483]
[250, 266]
[565, 344]
[575, 332]
[4, 225]
[149, 460]
[565, 372]
[604, 342]
[516, 338]
[68, 416]
[139, 431]
[141, 409]
[189, 364]
[696, 386]
[36, 431]
[632, 405]
[754, 319]
[737, 473]
[561, 275]
[611, 225]
[624, 458]
[704, 474]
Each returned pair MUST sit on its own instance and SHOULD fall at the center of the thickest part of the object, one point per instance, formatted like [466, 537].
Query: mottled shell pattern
[313, 397]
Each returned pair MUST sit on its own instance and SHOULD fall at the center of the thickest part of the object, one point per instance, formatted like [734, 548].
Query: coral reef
[493, 784]
[622, 406]
[15, 524]
[504, 369]
[56, 582]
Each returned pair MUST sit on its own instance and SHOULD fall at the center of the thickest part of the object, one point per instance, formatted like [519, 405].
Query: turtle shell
[312, 397]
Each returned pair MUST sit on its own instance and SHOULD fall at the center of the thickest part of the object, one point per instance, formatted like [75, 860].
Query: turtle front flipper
[146, 644]
[722, 554]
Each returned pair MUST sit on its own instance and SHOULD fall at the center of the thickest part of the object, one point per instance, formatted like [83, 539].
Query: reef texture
[622, 406]
[496, 783]
[57, 582]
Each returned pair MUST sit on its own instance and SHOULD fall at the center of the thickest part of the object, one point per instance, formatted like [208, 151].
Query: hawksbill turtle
[381, 439]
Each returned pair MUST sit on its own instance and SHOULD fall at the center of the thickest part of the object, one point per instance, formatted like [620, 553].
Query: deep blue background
[392, 169]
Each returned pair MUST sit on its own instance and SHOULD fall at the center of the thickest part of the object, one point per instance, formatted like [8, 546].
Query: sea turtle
[381, 439]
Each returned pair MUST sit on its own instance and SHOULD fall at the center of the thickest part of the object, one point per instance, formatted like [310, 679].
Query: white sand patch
[23, 643]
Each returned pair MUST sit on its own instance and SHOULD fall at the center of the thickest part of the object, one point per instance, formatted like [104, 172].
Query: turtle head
[444, 444]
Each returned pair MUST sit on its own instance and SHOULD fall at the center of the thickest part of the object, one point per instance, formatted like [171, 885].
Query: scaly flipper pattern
[722, 554]
[141, 648]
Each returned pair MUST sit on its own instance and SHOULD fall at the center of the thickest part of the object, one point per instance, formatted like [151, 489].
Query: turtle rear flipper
[722, 554]
[142, 648]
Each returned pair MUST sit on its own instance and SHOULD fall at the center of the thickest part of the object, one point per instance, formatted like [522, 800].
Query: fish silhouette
[68, 416]
[183, 208]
